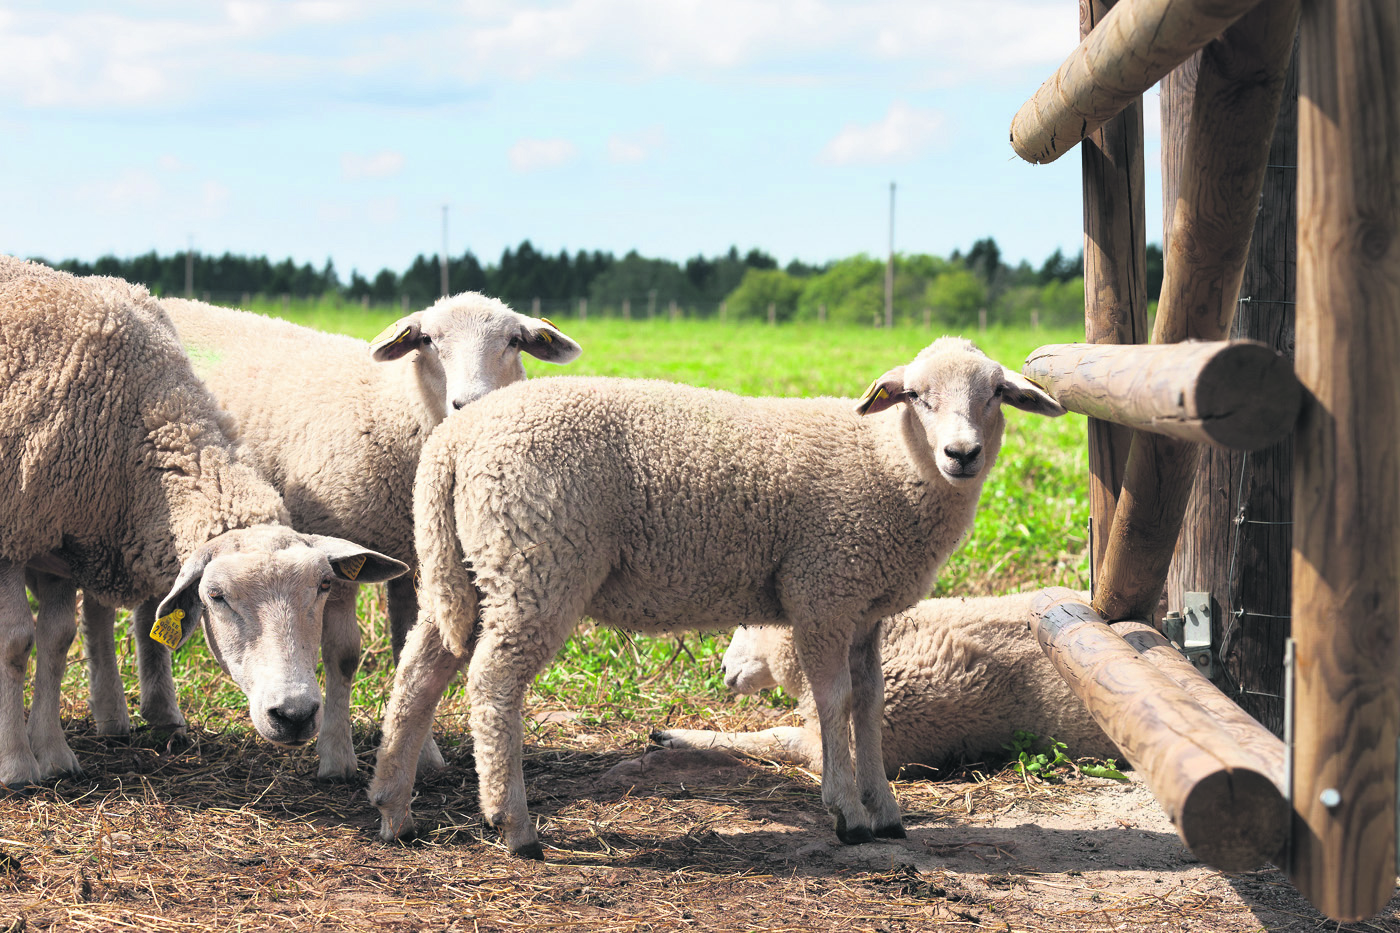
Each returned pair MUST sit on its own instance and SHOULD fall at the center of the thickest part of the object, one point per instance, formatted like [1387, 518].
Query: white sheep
[656, 507]
[339, 433]
[119, 471]
[961, 676]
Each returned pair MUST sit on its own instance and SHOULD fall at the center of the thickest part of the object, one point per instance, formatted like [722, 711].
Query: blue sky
[339, 128]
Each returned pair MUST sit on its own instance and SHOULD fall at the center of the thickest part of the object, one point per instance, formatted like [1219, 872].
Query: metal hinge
[1190, 631]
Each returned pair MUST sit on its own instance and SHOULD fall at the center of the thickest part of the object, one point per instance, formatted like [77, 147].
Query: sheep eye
[325, 586]
[514, 343]
[216, 595]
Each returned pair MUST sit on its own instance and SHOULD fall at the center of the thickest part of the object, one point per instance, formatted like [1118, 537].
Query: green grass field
[1030, 530]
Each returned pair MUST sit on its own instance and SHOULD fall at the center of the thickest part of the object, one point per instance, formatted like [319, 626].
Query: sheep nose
[294, 722]
[458, 403]
[963, 456]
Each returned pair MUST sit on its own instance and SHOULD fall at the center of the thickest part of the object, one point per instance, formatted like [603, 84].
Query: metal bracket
[1190, 630]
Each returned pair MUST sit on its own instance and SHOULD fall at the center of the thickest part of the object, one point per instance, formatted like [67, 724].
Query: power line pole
[444, 251]
[889, 269]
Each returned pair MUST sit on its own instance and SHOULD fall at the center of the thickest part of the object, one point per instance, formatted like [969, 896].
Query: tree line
[952, 290]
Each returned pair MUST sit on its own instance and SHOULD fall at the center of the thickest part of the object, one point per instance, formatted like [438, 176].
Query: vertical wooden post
[1115, 282]
[1236, 537]
[1346, 551]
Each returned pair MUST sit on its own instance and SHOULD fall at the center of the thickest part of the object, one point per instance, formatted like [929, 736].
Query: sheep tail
[448, 594]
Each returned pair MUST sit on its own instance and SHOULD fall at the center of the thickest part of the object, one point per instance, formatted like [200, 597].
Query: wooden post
[1346, 545]
[627, 309]
[1222, 798]
[1237, 394]
[1237, 534]
[583, 309]
[1115, 279]
[772, 313]
[1136, 43]
[1237, 94]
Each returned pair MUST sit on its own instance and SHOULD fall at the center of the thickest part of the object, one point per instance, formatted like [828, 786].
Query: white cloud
[634, 148]
[170, 163]
[905, 133]
[384, 164]
[529, 155]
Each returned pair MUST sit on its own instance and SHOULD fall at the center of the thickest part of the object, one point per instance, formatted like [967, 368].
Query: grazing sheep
[656, 507]
[961, 676]
[119, 471]
[339, 434]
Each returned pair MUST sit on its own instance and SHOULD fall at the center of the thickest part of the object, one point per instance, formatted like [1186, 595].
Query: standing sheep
[118, 469]
[655, 507]
[961, 676]
[339, 434]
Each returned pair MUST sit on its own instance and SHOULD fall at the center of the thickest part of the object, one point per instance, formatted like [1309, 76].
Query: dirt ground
[232, 834]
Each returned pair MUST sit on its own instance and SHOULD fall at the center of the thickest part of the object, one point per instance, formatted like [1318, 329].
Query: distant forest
[952, 290]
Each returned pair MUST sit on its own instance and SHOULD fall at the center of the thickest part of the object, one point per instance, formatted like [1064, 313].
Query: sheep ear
[1019, 392]
[178, 614]
[350, 561]
[883, 393]
[541, 339]
[397, 339]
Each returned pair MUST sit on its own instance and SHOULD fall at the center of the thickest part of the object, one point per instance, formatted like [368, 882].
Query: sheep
[119, 471]
[655, 507]
[961, 676]
[339, 434]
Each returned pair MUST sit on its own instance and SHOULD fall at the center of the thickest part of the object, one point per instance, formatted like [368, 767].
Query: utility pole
[889, 269]
[189, 268]
[444, 251]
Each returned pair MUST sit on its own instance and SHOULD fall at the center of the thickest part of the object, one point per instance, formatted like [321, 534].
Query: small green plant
[1048, 759]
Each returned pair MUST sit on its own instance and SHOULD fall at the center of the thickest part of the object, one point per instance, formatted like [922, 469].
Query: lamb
[339, 434]
[119, 471]
[656, 507]
[961, 675]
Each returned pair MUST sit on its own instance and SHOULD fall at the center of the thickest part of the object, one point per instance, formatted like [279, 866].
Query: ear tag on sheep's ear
[399, 336]
[167, 629]
[351, 566]
[874, 392]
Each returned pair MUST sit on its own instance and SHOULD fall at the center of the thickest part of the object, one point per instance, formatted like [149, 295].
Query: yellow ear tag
[383, 336]
[167, 629]
[546, 335]
[550, 323]
[351, 566]
[874, 391]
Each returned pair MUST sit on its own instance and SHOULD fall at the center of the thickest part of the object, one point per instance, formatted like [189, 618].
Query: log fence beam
[1134, 45]
[1238, 89]
[1346, 506]
[1222, 797]
[1236, 394]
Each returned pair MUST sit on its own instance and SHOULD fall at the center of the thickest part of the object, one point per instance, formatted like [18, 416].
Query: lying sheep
[118, 470]
[656, 507]
[339, 434]
[961, 676]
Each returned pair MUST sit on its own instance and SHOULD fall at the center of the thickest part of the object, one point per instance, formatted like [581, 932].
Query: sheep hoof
[530, 850]
[892, 831]
[854, 837]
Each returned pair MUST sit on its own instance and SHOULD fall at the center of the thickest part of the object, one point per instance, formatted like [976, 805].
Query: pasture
[226, 831]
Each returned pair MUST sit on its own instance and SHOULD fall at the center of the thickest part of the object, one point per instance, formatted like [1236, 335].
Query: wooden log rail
[1237, 96]
[1346, 504]
[1131, 49]
[1236, 394]
[1223, 798]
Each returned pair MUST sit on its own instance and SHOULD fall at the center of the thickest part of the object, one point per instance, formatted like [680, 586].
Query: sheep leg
[503, 665]
[403, 610]
[159, 706]
[106, 695]
[55, 627]
[18, 766]
[340, 658]
[867, 709]
[794, 744]
[825, 662]
[423, 674]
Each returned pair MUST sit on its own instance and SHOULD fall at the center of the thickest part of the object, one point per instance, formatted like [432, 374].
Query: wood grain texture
[1115, 277]
[1236, 539]
[1346, 557]
[1136, 43]
[1252, 736]
[1238, 88]
[1238, 394]
[1220, 796]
